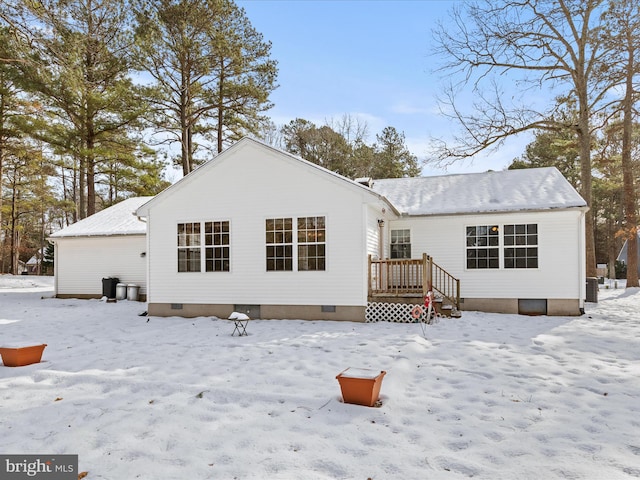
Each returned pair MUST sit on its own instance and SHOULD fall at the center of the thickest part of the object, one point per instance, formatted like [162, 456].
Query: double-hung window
[311, 243]
[279, 238]
[521, 246]
[301, 242]
[517, 242]
[483, 247]
[400, 243]
[189, 247]
[216, 242]
[212, 237]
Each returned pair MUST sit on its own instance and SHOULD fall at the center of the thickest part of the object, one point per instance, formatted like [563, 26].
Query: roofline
[53, 239]
[330, 172]
[281, 152]
[583, 208]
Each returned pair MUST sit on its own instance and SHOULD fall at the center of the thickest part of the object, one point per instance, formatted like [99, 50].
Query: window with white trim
[279, 239]
[482, 245]
[400, 243]
[311, 243]
[521, 246]
[189, 242]
[301, 242]
[203, 246]
[216, 242]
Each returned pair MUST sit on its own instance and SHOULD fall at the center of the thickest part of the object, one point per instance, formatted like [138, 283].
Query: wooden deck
[404, 280]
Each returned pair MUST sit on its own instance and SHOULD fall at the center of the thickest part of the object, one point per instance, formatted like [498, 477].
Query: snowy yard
[485, 396]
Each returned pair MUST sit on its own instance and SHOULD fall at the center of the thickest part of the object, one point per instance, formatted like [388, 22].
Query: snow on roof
[503, 191]
[118, 219]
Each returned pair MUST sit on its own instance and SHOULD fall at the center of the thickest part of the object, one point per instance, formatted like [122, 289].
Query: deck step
[448, 311]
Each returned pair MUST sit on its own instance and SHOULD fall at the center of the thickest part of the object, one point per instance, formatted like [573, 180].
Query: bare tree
[542, 46]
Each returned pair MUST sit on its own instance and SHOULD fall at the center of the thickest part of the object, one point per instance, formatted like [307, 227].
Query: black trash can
[109, 287]
[592, 289]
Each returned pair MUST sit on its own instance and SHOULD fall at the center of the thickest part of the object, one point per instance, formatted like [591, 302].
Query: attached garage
[109, 244]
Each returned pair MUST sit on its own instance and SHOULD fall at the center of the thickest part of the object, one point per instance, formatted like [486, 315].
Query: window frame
[217, 254]
[521, 250]
[279, 244]
[194, 248]
[404, 247]
[485, 247]
[189, 247]
[296, 243]
[517, 248]
[312, 243]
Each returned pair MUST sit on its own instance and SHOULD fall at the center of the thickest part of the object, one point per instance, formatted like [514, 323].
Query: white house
[259, 230]
[262, 231]
[109, 244]
[514, 238]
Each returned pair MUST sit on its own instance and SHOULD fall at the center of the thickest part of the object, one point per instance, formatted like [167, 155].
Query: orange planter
[360, 385]
[20, 356]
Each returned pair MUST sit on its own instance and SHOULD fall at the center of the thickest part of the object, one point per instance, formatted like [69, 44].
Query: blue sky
[367, 58]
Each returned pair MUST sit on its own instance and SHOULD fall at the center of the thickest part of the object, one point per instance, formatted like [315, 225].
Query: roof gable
[502, 191]
[258, 146]
[119, 219]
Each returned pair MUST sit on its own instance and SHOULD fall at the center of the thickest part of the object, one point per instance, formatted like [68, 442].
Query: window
[216, 241]
[279, 239]
[188, 247]
[400, 243]
[483, 247]
[521, 246]
[311, 243]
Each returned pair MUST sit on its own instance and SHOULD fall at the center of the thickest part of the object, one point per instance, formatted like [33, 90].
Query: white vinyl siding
[209, 194]
[559, 259]
[82, 263]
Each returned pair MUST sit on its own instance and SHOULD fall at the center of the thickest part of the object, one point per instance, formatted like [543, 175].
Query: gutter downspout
[381, 239]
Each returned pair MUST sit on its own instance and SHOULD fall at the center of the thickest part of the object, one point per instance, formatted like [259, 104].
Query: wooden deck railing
[410, 277]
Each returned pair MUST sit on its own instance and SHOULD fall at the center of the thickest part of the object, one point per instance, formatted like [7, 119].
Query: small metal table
[240, 321]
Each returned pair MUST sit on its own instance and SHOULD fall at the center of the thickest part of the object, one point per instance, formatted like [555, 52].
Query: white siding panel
[82, 263]
[372, 232]
[557, 276]
[264, 187]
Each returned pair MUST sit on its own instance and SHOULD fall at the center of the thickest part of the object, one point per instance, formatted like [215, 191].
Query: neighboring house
[108, 244]
[34, 263]
[262, 231]
[622, 256]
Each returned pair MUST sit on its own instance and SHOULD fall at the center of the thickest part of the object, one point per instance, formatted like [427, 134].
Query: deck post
[425, 278]
[369, 277]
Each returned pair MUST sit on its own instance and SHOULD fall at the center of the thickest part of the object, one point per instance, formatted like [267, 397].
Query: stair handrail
[441, 281]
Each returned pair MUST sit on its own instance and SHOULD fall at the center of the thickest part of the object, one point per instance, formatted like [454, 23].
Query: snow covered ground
[485, 396]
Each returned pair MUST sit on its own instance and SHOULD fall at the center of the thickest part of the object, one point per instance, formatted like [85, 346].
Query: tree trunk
[13, 268]
[82, 204]
[584, 139]
[91, 170]
[2, 152]
[220, 106]
[630, 217]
